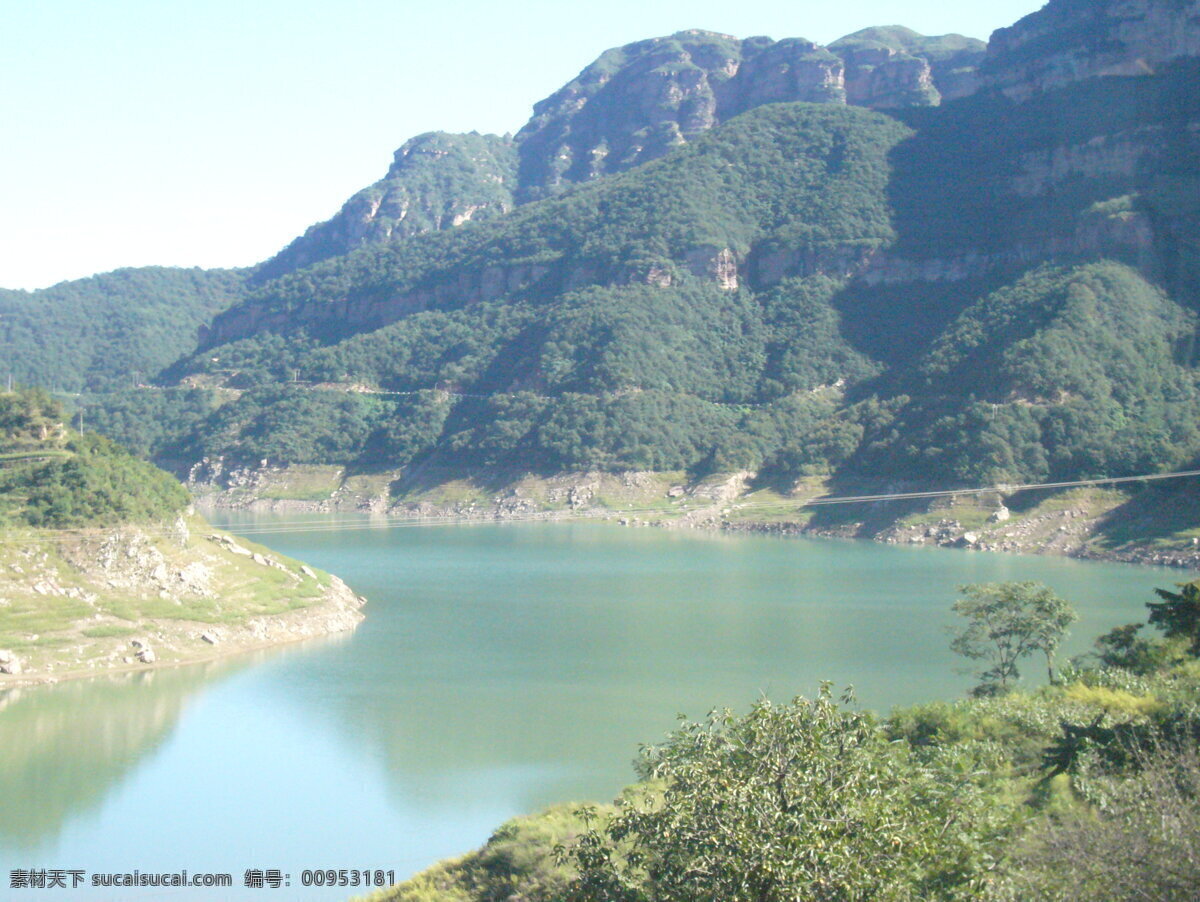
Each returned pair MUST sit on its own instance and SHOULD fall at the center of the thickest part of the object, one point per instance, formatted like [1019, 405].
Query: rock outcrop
[630, 106]
[130, 597]
[890, 68]
[436, 181]
[1071, 40]
[635, 103]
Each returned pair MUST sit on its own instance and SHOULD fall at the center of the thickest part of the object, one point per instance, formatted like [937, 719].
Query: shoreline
[133, 599]
[29, 681]
[1066, 524]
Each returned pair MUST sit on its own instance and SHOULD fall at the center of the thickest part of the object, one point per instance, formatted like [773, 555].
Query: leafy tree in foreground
[805, 801]
[1006, 622]
[1178, 614]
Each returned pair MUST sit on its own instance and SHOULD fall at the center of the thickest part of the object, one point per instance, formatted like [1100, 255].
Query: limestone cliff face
[1071, 40]
[894, 67]
[1083, 140]
[436, 181]
[635, 103]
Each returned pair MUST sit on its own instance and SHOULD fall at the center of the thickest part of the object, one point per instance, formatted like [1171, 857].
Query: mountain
[1000, 287]
[632, 105]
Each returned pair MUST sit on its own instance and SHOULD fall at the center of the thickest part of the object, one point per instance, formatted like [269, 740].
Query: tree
[1006, 622]
[804, 801]
[1123, 647]
[1178, 614]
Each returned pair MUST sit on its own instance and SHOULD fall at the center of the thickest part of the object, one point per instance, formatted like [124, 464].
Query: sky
[187, 133]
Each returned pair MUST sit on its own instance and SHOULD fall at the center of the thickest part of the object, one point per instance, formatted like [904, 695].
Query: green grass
[771, 513]
[971, 518]
[109, 631]
[35, 455]
[1163, 517]
[1086, 498]
[35, 614]
[303, 483]
[239, 589]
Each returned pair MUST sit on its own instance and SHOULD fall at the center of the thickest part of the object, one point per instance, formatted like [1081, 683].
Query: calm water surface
[501, 668]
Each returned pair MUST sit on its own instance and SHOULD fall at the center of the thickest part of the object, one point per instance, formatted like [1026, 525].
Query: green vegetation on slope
[1069, 372]
[619, 373]
[53, 477]
[801, 177]
[110, 330]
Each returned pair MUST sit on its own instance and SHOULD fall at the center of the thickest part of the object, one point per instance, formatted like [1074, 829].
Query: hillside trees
[53, 477]
[110, 330]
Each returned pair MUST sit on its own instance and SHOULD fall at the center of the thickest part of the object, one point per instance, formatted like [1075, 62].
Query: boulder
[1000, 515]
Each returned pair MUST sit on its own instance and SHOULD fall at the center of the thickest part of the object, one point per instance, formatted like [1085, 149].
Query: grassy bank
[76, 602]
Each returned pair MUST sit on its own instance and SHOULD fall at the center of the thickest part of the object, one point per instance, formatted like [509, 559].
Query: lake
[501, 668]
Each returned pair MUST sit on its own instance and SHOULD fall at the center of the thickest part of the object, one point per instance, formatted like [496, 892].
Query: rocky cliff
[436, 181]
[635, 103]
[1071, 40]
[895, 67]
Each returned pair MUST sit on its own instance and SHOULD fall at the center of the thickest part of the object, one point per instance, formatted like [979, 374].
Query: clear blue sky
[188, 133]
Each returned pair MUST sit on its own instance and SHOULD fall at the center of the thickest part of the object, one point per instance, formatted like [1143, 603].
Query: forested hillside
[626, 338]
[112, 330]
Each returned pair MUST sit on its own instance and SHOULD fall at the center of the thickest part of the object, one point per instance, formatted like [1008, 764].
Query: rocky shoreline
[126, 599]
[951, 534]
[337, 615]
[1070, 528]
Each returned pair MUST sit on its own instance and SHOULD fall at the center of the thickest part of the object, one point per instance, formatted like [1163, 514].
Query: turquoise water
[501, 668]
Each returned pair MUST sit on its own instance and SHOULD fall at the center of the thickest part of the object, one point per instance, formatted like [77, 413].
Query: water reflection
[66, 748]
